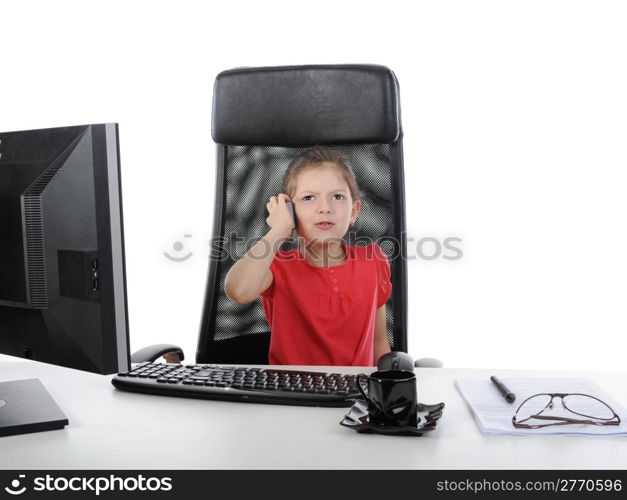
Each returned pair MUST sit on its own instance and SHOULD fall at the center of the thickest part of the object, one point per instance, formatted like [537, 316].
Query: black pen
[509, 396]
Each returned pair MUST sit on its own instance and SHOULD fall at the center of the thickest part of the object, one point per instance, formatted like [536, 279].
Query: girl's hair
[316, 156]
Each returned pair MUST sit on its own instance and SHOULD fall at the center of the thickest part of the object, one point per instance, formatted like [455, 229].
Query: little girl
[325, 301]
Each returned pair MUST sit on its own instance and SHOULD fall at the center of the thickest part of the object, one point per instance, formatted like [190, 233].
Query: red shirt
[326, 315]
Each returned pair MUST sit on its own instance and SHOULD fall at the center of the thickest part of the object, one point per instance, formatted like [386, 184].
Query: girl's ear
[355, 211]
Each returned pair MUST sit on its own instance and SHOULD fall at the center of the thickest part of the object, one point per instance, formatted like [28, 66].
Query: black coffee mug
[391, 397]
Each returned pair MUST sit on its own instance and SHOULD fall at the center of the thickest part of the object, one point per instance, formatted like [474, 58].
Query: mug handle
[361, 390]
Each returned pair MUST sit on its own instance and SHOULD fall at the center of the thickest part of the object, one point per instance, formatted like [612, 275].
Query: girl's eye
[335, 196]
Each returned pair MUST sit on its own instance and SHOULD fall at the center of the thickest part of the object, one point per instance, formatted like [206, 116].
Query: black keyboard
[236, 383]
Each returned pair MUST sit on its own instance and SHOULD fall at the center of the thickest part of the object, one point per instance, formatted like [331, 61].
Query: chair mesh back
[254, 173]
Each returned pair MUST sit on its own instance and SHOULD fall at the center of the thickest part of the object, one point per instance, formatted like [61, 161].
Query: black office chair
[262, 118]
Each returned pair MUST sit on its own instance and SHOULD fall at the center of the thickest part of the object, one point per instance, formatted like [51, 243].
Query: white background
[515, 119]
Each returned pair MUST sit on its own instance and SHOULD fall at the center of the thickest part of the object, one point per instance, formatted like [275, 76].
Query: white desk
[111, 429]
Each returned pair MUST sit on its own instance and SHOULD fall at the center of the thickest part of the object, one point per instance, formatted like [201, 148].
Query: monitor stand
[26, 406]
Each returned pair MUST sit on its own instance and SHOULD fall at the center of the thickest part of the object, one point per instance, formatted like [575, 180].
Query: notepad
[26, 406]
[494, 414]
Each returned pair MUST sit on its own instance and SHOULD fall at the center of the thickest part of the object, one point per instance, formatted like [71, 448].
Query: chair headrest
[306, 105]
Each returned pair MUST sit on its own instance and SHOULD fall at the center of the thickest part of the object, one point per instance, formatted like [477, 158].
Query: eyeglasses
[596, 411]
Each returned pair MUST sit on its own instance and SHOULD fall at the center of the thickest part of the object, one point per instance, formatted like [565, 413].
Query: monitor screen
[62, 274]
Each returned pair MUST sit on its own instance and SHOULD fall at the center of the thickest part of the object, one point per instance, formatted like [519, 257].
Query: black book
[26, 406]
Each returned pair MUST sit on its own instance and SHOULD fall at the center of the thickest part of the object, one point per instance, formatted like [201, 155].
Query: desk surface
[111, 429]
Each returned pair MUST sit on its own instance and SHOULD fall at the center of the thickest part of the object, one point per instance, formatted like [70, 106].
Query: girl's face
[323, 204]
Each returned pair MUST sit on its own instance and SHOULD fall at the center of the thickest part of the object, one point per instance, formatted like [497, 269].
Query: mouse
[396, 360]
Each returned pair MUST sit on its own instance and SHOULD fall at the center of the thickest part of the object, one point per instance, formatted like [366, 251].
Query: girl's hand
[279, 217]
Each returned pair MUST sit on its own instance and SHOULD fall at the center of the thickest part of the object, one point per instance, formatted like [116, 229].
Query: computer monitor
[62, 274]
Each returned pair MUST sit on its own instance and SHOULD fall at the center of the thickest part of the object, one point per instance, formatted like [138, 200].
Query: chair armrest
[428, 363]
[172, 353]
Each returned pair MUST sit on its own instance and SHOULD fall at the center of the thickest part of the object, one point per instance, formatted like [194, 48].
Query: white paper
[494, 414]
